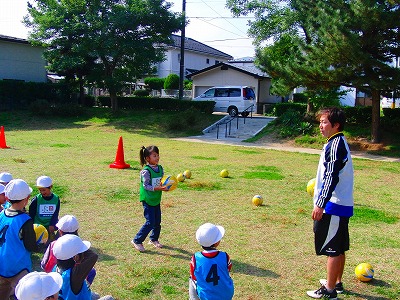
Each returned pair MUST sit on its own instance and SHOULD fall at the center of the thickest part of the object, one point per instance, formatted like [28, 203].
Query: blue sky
[209, 22]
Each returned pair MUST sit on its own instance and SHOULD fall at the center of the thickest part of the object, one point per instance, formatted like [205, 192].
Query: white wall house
[197, 57]
[19, 60]
[236, 72]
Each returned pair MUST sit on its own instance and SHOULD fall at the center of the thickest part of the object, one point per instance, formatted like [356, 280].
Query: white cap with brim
[5, 177]
[44, 182]
[208, 234]
[17, 189]
[69, 245]
[38, 285]
[68, 223]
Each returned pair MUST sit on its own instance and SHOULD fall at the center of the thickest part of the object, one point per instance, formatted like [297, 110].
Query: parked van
[230, 99]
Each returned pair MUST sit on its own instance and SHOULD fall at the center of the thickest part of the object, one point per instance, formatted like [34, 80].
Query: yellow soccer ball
[187, 174]
[224, 173]
[257, 200]
[170, 181]
[180, 177]
[310, 187]
[364, 272]
[41, 232]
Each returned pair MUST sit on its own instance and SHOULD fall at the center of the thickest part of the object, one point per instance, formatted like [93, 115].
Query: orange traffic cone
[119, 159]
[3, 138]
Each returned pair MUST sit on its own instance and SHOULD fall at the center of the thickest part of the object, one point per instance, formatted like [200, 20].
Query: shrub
[171, 82]
[281, 108]
[358, 114]
[187, 84]
[391, 113]
[299, 98]
[141, 93]
[159, 103]
[154, 83]
[292, 124]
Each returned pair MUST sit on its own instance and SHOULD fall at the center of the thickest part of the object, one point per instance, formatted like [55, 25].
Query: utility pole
[182, 60]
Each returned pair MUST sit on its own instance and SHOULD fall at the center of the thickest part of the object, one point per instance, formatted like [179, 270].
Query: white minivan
[230, 99]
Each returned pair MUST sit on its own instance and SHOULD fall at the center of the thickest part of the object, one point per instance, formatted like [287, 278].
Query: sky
[209, 23]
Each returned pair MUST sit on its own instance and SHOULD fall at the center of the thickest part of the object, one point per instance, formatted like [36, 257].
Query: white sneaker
[338, 286]
[322, 293]
[138, 247]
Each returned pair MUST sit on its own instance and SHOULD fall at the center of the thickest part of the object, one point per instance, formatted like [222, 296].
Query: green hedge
[281, 108]
[358, 114]
[141, 103]
[20, 94]
[391, 113]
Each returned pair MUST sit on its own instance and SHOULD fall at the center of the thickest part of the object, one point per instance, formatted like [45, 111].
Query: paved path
[242, 129]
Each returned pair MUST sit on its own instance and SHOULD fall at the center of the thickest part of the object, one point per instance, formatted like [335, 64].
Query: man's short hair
[335, 116]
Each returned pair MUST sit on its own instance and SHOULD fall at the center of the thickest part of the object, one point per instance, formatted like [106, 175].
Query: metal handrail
[229, 121]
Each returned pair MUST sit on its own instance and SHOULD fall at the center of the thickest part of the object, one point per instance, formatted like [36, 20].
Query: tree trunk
[114, 101]
[82, 98]
[375, 130]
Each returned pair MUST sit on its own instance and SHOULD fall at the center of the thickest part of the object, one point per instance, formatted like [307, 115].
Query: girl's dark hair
[65, 264]
[335, 116]
[145, 152]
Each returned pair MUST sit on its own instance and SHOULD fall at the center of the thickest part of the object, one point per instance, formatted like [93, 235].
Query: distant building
[19, 60]
[197, 57]
[240, 72]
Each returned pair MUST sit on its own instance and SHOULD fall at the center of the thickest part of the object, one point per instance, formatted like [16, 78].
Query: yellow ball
[180, 177]
[364, 272]
[170, 181]
[310, 187]
[41, 232]
[257, 200]
[187, 174]
[224, 173]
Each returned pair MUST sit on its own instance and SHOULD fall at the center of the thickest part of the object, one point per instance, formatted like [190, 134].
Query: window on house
[207, 61]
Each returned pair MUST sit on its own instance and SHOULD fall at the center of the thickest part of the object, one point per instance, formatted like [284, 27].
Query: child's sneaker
[138, 247]
[338, 287]
[322, 293]
[156, 244]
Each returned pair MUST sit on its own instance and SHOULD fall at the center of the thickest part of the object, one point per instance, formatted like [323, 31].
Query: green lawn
[271, 246]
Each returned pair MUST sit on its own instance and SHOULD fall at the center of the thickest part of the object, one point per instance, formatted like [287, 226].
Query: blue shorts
[331, 235]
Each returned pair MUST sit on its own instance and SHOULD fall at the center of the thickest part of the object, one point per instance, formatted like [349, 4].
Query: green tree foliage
[112, 42]
[322, 44]
[171, 82]
[154, 83]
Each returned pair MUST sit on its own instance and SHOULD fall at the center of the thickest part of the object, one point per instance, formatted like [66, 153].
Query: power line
[221, 16]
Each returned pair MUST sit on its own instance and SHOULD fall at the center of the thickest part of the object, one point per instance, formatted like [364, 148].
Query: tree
[326, 44]
[171, 82]
[111, 42]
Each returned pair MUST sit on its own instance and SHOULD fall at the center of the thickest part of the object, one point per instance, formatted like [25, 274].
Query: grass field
[271, 246]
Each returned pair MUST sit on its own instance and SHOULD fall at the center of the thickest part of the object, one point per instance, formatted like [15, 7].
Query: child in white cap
[68, 224]
[45, 206]
[209, 269]
[74, 262]
[3, 199]
[17, 236]
[39, 286]
[5, 178]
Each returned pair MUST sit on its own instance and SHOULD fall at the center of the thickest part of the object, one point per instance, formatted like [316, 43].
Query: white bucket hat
[38, 285]
[69, 245]
[17, 189]
[208, 234]
[44, 181]
[68, 223]
[5, 177]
